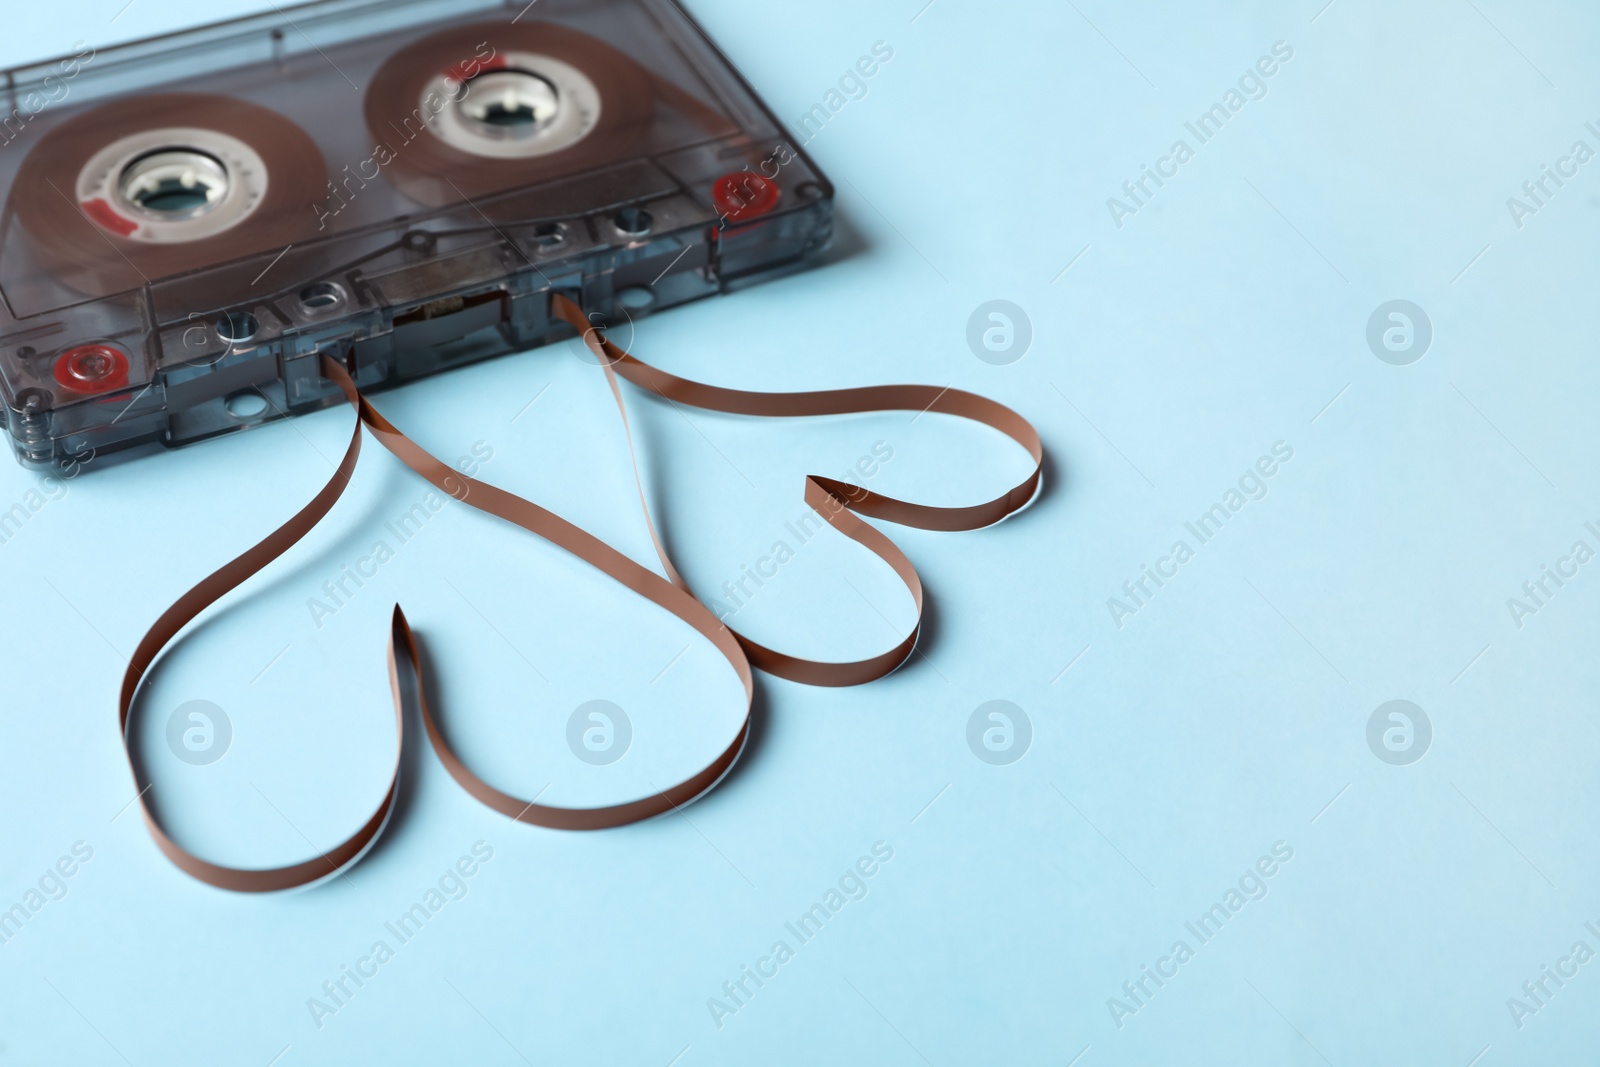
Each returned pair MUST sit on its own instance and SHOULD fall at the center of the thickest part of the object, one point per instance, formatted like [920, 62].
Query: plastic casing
[420, 289]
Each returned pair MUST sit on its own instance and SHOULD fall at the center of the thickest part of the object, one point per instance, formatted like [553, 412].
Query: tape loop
[839, 504]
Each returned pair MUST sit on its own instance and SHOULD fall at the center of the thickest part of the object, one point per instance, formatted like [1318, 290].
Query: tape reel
[546, 101]
[148, 187]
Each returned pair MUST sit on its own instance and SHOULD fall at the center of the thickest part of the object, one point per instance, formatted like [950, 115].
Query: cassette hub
[174, 185]
[532, 106]
[511, 103]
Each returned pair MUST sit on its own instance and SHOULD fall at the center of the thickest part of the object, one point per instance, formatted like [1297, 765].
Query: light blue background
[1228, 714]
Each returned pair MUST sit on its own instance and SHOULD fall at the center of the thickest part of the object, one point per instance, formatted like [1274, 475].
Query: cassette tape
[191, 222]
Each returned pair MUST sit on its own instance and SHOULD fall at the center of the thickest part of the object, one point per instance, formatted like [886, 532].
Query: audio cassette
[191, 223]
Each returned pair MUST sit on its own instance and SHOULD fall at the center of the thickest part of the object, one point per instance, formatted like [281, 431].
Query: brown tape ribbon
[838, 503]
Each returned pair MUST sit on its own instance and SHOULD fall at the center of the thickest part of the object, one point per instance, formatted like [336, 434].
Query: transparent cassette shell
[399, 266]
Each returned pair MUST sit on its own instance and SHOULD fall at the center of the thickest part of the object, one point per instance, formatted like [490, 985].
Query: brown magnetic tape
[842, 505]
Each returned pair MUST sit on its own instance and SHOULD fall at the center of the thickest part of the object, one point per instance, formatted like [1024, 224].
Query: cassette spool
[163, 185]
[553, 99]
[402, 185]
